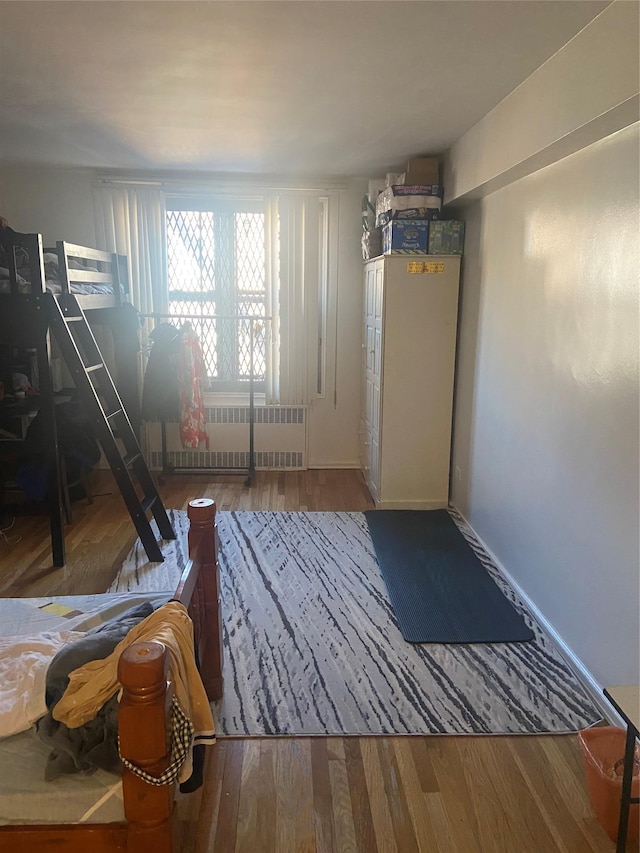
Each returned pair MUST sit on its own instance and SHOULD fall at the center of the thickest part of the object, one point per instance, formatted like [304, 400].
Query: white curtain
[296, 319]
[131, 221]
[272, 299]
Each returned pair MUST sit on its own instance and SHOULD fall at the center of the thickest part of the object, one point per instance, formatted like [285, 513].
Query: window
[216, 266]
[264, 255]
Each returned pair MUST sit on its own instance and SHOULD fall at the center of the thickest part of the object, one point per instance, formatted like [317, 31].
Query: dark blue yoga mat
[439, 589]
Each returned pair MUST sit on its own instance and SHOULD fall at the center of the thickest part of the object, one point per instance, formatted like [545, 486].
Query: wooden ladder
[110, 420]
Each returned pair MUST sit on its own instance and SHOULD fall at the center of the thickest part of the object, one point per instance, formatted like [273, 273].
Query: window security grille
[216, 265]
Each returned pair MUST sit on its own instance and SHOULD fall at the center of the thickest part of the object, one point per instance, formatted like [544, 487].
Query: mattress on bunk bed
[52, 280]
[55, 288]
[25, 796]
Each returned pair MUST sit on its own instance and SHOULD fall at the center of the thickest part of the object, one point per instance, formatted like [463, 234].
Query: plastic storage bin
[602, 749]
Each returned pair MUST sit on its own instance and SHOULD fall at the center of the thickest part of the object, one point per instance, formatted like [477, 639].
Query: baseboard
[334, 466]
[411, 504]
[581, 672]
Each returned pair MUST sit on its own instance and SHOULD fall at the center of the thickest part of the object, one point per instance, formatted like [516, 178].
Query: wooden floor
[404, 794]
[102, 533]
[371, 795]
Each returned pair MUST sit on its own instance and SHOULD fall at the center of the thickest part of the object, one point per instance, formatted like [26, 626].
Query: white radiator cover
[280, 439]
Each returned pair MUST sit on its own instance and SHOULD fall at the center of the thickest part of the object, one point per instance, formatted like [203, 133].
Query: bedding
[24, 662]
[26, 796]
[90, 686]
[52, 276]
[92, 743]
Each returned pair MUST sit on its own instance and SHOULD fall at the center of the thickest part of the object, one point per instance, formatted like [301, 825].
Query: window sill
[212, 399]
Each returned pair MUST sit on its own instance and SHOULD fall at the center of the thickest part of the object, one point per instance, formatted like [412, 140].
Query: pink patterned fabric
[191, 375]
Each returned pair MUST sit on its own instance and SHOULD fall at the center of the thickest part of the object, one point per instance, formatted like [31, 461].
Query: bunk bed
[97, 282]
[142, 816]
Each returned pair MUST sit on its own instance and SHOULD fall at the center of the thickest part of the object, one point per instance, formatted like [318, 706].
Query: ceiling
[280, 88]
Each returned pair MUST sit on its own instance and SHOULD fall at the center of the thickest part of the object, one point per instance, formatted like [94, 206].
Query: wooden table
[626, 700]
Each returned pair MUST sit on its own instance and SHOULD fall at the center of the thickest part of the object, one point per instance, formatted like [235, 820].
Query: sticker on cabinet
[425, 267]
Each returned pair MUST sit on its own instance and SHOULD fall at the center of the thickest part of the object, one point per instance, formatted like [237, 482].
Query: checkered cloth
[181, 741]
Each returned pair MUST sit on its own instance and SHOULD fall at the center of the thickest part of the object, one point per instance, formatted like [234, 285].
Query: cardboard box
[446, 237]
[407, 213]
[405, 237]
[399, 197]
[422, 170]
[417, 189]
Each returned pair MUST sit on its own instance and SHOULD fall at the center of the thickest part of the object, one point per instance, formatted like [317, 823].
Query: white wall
[546, 435]
[587, 90]
[53, 202]
[546, 431]
[58, 203]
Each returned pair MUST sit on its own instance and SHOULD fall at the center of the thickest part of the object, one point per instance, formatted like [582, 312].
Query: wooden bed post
[207, 612]
[145, 741]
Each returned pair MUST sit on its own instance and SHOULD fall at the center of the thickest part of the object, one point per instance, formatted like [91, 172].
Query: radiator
[280, 439]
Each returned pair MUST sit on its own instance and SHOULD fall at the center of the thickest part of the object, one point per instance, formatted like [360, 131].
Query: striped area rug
[313, 648]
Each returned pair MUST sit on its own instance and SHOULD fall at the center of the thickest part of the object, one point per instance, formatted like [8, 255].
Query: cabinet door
[363, 436]
[417, 351]
[369, 394]
[372, 363]
[366, 408]
[379, 288]
[374, 468]
[370, 344]
[376, 367]
[370, 291]
[375, 409]
[373, 342]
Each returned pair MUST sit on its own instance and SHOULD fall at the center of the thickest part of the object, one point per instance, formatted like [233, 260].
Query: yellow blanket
[93, 684]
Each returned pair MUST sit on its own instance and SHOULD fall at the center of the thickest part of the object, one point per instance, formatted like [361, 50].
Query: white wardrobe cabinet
[409, 345]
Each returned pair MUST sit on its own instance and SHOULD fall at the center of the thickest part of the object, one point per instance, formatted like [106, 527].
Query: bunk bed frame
[25, 322]
[143, 717]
